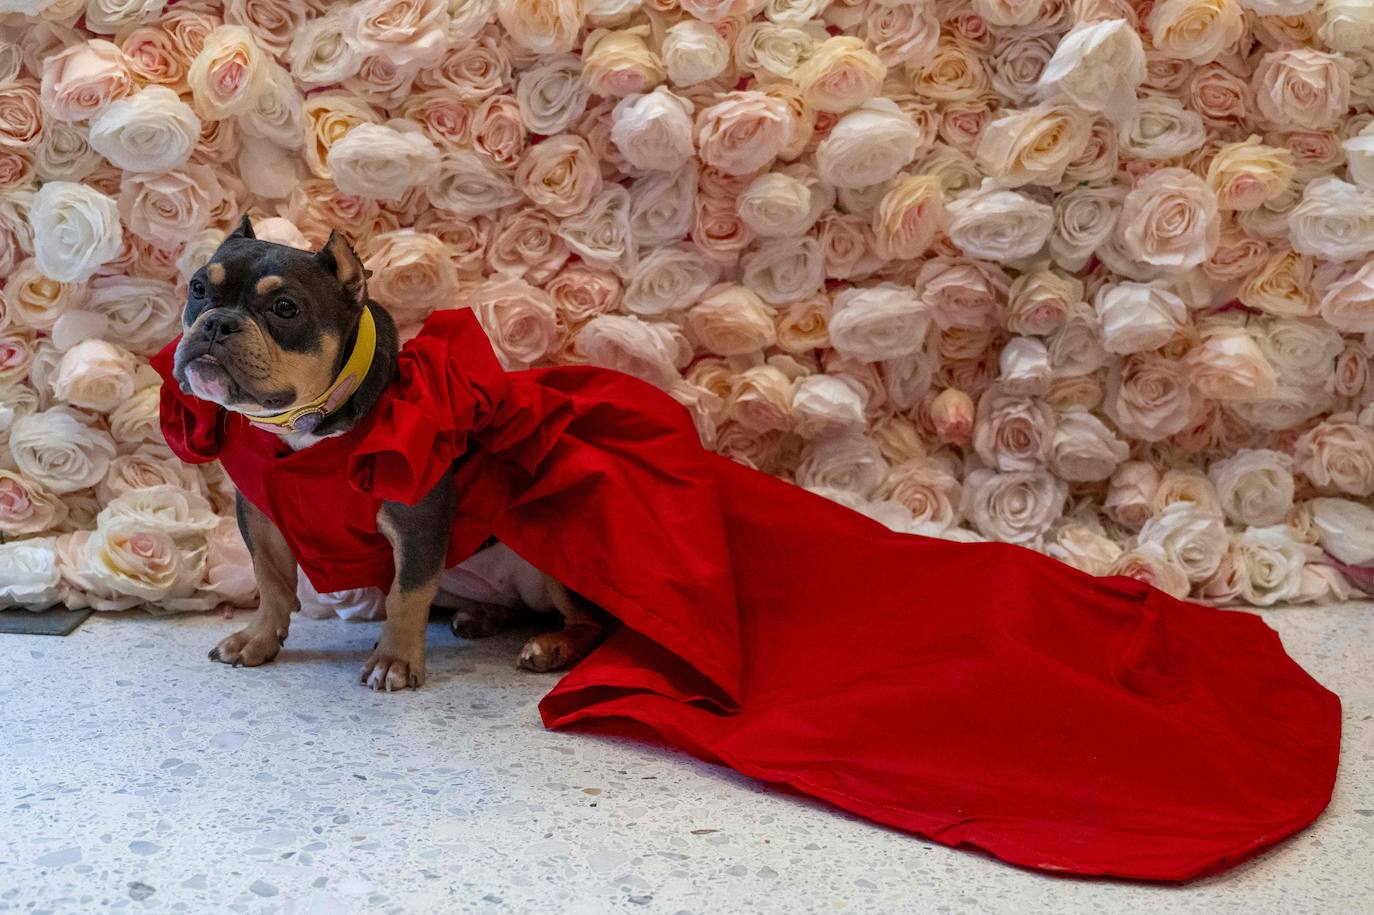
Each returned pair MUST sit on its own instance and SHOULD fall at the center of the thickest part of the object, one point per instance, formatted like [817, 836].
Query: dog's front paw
[393, 670]
[247, 648]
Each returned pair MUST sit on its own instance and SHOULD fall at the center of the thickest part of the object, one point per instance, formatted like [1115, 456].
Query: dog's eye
[198, 289]
[284, 308]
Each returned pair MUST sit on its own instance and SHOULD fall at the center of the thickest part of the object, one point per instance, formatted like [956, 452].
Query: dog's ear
[338, 258]
[244, 230]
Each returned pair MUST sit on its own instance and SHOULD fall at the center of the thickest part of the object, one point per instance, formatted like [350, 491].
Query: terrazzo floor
[135, 775]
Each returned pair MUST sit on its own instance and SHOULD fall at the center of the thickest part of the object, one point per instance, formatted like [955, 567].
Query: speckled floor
[137, 775]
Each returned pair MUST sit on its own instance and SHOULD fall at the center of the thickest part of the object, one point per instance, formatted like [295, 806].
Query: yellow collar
[348, 380]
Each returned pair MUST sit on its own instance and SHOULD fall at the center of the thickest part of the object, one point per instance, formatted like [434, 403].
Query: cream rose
[542, 26]
[868, 145]
[328, 117]
[1347, 296]
[1194, 540]
[1161, 128]
[693, 53]
[783, 204]
[909, 216]
[731, 321]
[1016, 507]
[561, 175]
[1083, 219]
[469, 185]
[411, 273]
[1270, 565]
[761, 400]
[95, 375]
[1246, 175]
[1229, 365]
[408, 33]
[1254, 487]
[1196, 30]
[519, 318]
[1034, 146]
[551, 94]
[1131, 494]
[1149, 563]
[1012, 432]
[1085, 449]
[928, 488]
[321, 52]
[75, 230]
[826, 405]
[840, 75]
[383, 161]
[1085, 548]
[152, 131]
[1169, 220]
[783, 270]
[136, 420]
[136, 561]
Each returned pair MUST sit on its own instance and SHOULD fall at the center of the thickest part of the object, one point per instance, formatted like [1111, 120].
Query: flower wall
[1091, 276]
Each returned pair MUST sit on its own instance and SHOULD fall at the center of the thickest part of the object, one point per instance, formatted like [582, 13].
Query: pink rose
[83, 79]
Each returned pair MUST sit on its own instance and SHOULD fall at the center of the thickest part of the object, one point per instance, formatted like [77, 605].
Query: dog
[277, 334]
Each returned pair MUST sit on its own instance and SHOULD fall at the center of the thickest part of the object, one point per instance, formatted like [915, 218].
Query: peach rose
[228, 73]
[908, 217]
[95, 375]
[1169, 219]
[1138, 317]
[743, 132]
[519, 318]
[581, 293]
[1034, 146]
[542, 26]
[411, 34]
[1148, 397]
[840, 74]
[1229, 365]
[1302, 87]
[1131, 493]
[804, 326]
[619, 63]
[411, 273]
[731, 320]
[559, 174]
[82, 80]
[1245, 175]
[1196, 30]
[1337, 455]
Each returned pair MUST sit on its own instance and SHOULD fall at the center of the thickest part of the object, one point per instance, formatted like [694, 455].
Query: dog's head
[266, 326]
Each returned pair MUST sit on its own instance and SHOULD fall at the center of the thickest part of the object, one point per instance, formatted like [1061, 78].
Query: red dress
[978, 694]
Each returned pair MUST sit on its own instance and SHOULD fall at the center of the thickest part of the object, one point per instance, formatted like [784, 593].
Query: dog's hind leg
[474, 619]
[275, 571]
[419, 539]
[584, 626]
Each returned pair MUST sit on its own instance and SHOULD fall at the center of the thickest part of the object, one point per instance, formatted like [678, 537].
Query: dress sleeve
[194, 428]
[450, 395]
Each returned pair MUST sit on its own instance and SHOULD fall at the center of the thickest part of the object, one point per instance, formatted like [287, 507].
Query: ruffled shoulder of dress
[195, 429]
[450, 393]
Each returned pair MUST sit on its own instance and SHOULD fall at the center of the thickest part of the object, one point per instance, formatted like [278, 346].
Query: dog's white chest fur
[495, 575]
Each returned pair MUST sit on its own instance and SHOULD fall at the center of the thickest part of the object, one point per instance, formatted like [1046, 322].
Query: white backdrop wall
[1094, 277]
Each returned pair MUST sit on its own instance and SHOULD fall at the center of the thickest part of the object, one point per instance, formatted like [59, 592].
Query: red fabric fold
[977, 694]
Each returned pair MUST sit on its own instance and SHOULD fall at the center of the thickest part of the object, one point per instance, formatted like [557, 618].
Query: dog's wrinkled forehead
[243, 267]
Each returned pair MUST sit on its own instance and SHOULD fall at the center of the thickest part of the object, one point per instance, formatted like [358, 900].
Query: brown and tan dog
[271, 331]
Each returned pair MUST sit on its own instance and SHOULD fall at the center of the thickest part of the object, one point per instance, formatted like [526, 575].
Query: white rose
[1097, 66]
[1161, 128]
[661, 206]
[826, 405]
[148, 465]
[75, 230]
[928, 489]
[760, 400]
[1333, 221]
[653, 131]
[880, 322]
[29, 575]
[1359, 156]
[468, 185]
[1301, 350]
[851, 462]
[1084, 218]
[1192, 538]
[783, 204]
[59, 451]
[646, 349]
[153, 131]
[1255, 486]
[669, 279]
[1138, 317]
[552, 95]
[383, 161]
[998, 225]
[784, 270]
[136, 419]
[63, 154]
[1024, 366]
[1016, 507]
[322, 52]
[277, 112]
[694, 52]
[1270, 565]
[1345, 529]
[185, 516]
[166, 208]
[868, 145]
[601, 234]
[1084, 448]
[95, 375]
[142, 314]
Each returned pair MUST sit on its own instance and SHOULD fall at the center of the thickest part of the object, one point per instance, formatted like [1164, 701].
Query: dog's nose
[217, 326]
